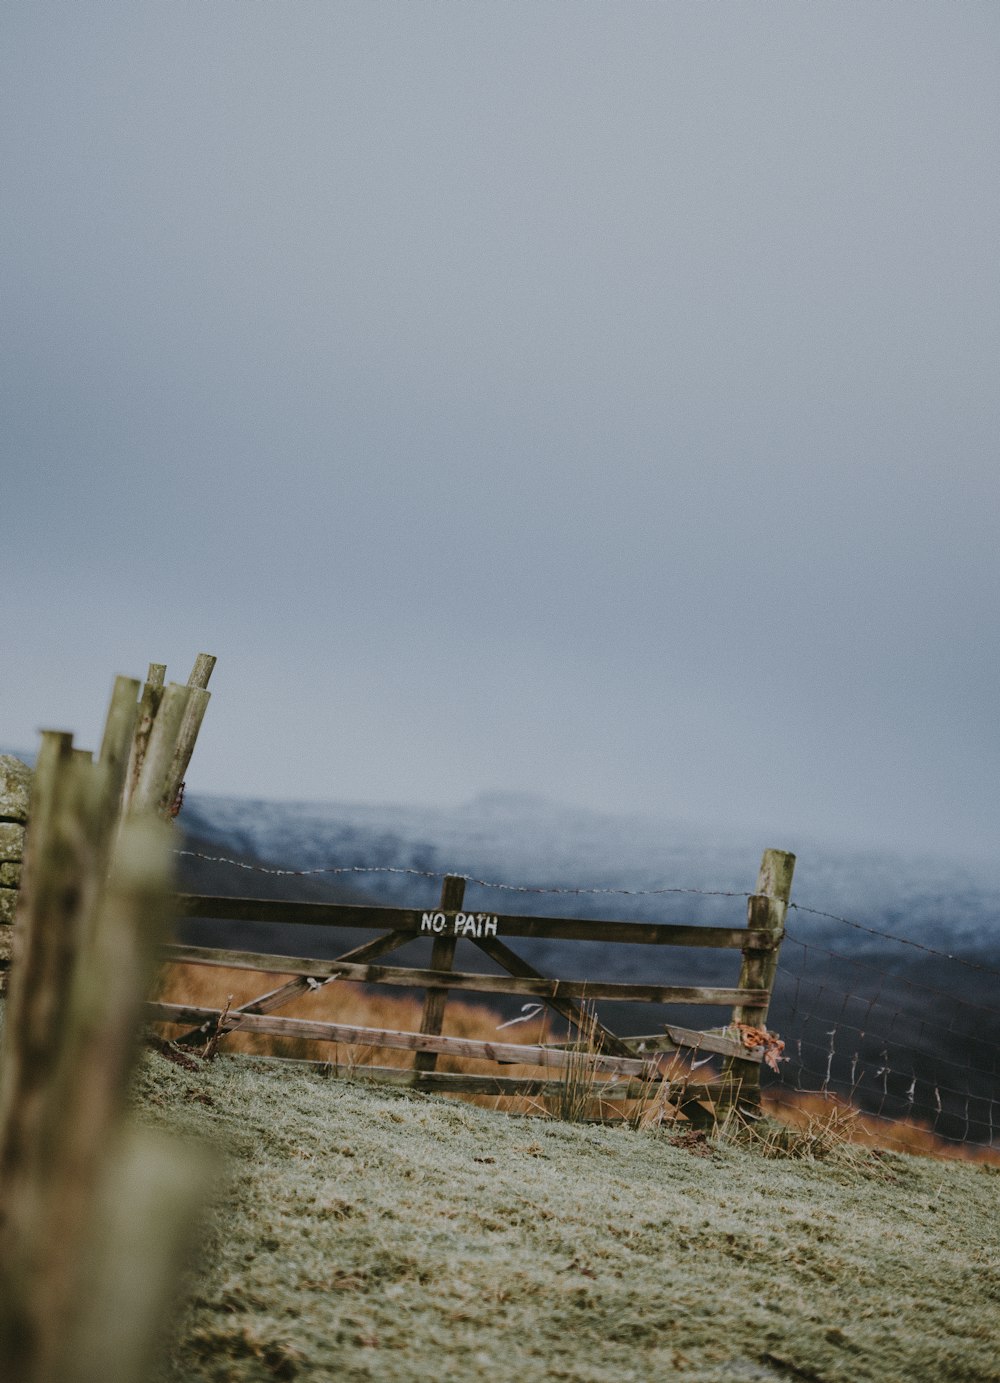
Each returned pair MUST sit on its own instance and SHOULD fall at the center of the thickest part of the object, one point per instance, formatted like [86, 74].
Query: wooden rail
[513, 1053]
[411, 977]
[410, 920]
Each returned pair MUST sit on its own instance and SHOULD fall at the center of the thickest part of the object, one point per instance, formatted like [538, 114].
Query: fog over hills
[532, 842]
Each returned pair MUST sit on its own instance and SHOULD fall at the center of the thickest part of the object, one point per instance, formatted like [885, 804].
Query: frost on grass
[368, 1234]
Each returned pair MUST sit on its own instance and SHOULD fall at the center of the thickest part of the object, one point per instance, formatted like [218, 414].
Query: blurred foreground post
[94, 1221]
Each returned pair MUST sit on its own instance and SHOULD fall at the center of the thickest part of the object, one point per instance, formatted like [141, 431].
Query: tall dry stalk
[579, 1083]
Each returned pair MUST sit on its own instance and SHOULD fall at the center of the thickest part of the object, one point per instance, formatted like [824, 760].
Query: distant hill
[529, 841]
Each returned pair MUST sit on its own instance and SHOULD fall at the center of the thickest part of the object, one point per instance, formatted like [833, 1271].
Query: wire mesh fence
[915, 1046]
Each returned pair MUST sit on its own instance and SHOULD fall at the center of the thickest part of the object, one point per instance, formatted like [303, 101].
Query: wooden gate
[627, 1066]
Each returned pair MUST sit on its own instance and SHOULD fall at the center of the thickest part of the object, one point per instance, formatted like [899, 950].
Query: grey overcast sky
[592, 399]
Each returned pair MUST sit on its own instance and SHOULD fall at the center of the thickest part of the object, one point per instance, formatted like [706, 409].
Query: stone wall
[15, 785]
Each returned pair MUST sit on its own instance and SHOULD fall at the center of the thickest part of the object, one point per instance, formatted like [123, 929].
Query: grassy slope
[366, 1234]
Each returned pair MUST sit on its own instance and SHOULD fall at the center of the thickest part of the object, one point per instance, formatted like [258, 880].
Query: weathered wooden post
[152, 790]
[152, 695]
[58, 891]
[40, 977]
[442, 958]
[766, 911]
[190, 725]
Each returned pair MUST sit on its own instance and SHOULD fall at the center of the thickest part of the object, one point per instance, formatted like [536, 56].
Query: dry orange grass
[344, 1002]
[211, 986]
[801, 1111]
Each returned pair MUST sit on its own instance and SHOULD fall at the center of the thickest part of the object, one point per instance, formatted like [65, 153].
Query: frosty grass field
[359, 1233]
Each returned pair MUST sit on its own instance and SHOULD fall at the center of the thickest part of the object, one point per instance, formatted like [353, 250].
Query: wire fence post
[766, 909]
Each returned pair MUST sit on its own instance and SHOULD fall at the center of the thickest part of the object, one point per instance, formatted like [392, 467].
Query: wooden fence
[628, 1066]
[94, 1215]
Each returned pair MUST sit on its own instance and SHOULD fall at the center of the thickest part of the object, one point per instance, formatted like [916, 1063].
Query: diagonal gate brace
[569, 1008]
[284, 994]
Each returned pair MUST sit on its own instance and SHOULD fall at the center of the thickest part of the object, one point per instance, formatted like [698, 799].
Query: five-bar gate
[629, 1066]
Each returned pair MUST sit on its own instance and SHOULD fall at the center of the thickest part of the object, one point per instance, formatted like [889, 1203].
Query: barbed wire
[469, 879]
[303, 873]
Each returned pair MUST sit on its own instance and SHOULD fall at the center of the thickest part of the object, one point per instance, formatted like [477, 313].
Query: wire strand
[901, 940]
[469, 879]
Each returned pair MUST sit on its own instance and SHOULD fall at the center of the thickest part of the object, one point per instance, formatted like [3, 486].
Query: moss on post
[153, 789]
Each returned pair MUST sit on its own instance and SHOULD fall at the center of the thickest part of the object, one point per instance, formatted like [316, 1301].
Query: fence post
[152, 695]
[153, 787]
[57, 894]
[202, 670]
[191, 724]
[766, 911]
[45, 927]
[442, 958]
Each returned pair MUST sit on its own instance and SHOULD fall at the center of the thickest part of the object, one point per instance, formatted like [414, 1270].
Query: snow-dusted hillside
[531, 842]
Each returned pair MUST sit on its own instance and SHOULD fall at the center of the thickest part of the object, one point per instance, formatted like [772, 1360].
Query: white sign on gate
[473, 924]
